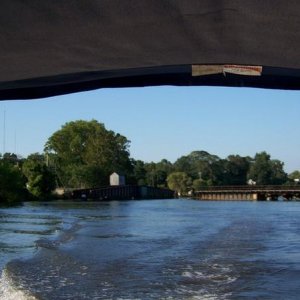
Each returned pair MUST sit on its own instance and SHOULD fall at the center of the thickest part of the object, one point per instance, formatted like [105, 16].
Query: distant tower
[15, 142]
[116, 179]
[4, 131]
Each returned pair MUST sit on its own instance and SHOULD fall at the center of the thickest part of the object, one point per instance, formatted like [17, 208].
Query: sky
[166, 122]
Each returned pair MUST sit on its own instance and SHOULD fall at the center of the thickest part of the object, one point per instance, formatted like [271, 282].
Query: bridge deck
[255, 192]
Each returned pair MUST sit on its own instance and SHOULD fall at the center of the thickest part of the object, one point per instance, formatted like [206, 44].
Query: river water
[161, 249]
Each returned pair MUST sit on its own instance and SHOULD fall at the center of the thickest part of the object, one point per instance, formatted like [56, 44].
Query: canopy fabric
[52, 47]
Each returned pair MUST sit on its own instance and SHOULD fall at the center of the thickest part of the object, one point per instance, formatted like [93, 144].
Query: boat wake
[10, 291]
[27, 279]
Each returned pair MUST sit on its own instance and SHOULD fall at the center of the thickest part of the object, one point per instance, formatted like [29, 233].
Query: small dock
[248, 193]
[122, 192]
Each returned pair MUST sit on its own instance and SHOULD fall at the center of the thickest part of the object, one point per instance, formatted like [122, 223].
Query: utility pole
[4, 130]
[15, 142]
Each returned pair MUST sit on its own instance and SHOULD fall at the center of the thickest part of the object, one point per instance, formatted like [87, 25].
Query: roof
[53, 47]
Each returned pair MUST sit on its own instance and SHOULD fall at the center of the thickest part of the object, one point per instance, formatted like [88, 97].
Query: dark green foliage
[264, 171]
[10, 158]
[294, 177]
[85, 153]
[152, 174]
[12, 184]
[235, 170]
[179, 182]
[205, 169]
[201, 165]
[278, 176]
[139, 172]
[40, 179]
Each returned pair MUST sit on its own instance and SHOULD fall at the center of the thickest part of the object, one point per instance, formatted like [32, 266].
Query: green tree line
[82, 154]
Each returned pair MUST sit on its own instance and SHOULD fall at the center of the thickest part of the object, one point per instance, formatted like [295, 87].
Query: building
[116, 179]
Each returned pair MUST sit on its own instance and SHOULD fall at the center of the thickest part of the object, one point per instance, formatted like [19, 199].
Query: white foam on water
[9, 292]
[215, 273]
[217, 278]
[208, 283]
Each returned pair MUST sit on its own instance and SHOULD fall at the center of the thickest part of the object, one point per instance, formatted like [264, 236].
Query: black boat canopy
[52, 47]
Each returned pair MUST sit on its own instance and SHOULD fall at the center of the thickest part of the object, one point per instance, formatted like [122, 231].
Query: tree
[12, 184]
[179, 182]
[11, 158]
[139, 172]
[200, 165]
[294, 177]
[265, 171]
[278, 176]
[163, 169]
[151, 179]
[153, 174]
[40, 180]
[236, 169]
[184, 164]
[85, 153]
[198, 184]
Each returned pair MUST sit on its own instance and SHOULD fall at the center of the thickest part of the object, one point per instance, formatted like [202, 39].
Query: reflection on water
[164, 249]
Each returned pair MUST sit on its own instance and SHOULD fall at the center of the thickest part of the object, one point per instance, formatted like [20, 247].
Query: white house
[116, 179]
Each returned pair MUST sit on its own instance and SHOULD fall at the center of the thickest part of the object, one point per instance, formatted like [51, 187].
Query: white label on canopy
[243, 70]
[202, 70]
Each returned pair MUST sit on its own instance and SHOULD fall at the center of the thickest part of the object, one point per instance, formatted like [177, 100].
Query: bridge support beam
[248, 193]
[225, 196]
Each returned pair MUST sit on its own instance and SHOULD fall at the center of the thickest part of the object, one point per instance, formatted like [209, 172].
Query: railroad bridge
[248, 192]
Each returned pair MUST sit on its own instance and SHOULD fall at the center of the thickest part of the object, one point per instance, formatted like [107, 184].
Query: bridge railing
[250, 188]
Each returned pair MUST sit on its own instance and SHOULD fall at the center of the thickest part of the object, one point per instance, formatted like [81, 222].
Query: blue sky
[167, 122]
